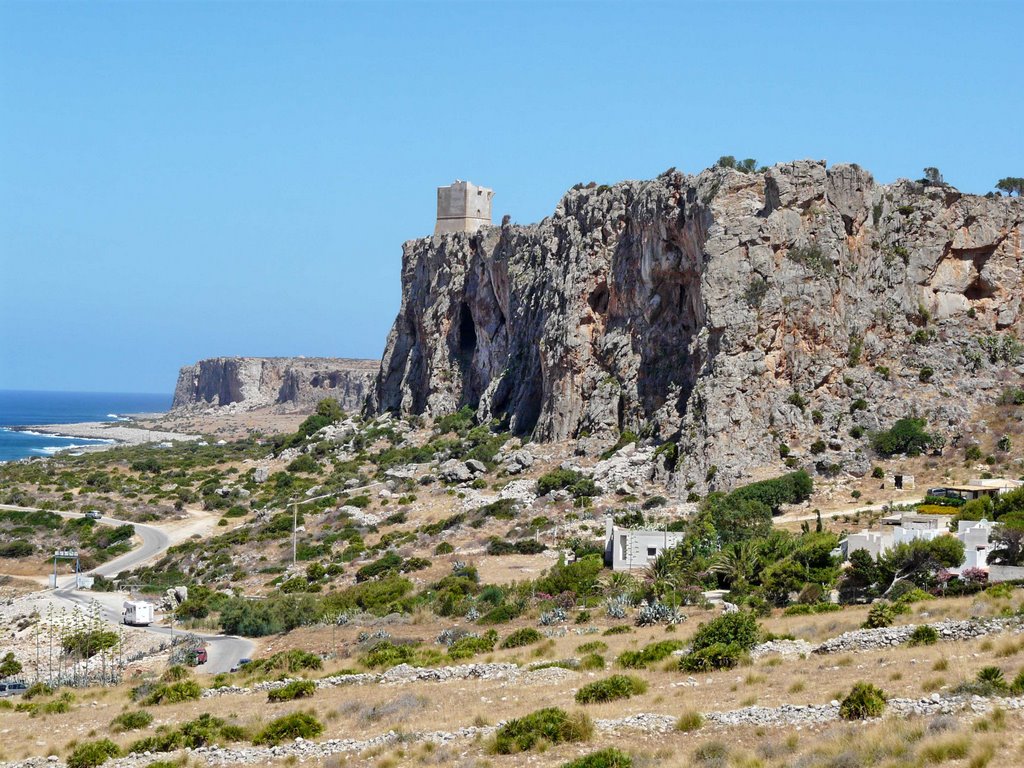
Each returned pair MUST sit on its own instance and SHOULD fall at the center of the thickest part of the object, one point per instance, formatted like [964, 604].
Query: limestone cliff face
[726, 312]
[290, 383]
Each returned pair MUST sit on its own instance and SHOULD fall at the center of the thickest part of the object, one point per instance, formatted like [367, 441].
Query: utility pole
[295, 530]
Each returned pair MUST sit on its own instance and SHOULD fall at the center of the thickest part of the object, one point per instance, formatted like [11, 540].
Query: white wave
[59, 436]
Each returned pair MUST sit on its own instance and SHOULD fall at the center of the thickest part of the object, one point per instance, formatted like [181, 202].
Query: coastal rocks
[690, 309]
[289, 383]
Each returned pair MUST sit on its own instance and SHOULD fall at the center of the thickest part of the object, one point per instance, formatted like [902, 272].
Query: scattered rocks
[781, 648]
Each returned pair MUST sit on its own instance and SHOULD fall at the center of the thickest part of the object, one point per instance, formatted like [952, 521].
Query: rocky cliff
[289, 383]
[728, 313]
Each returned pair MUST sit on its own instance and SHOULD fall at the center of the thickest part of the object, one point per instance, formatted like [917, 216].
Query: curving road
[224, 651]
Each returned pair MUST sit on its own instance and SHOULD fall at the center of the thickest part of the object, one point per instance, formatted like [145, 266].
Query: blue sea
[20, 408]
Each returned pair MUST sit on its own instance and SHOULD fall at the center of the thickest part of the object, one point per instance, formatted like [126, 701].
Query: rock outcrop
[289, 383]
[728, 313]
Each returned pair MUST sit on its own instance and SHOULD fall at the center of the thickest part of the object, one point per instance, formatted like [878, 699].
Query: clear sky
[183, 180]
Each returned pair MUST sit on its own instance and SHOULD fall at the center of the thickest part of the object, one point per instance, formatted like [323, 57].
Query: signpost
[66, 554]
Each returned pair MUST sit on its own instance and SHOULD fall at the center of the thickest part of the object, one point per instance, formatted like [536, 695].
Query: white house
[975, 535]
[627, 549]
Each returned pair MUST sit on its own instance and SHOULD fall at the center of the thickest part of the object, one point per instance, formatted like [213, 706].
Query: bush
[689, 721]
[131, 721]
[712, 657]
[605, 758]
[863, 701]
[550, 725]
[740, 628]
[924, 635]
[93, 753]
[618, 629]
[203, 731]
[649, 654]
[521, 637]
[880, 615]
[610, 689]
[469, 646]
[575, 482]
[905, 436]
[289, 727]
[296, 689]
[184, 690]
[791, 488]
[284, 661]
[592, 661]
[387, 654]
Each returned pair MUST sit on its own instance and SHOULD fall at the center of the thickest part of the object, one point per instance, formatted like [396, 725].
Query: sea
[20, 408]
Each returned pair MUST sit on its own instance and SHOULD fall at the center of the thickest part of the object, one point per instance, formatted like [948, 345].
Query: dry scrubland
[369, 512]
[364, 711]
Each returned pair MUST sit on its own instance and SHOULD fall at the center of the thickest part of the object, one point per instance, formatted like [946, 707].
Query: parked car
[199, 656]
[94, 514]
[241, 663]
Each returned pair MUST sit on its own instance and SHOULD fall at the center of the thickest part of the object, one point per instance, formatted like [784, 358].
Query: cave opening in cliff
[598, 299]
[467, 332]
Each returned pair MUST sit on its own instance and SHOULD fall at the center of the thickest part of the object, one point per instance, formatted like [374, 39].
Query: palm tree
[738, 564]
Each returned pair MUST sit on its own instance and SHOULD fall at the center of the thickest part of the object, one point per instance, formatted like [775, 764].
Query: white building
[975, 535]
[626, 549]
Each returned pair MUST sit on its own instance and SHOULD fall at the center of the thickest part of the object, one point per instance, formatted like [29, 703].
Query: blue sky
[182, 180]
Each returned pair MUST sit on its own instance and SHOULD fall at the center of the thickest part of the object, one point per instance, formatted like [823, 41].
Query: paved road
[223, 651]
[851, 510]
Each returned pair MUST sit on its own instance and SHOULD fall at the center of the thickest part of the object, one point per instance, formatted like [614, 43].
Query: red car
[199, 657]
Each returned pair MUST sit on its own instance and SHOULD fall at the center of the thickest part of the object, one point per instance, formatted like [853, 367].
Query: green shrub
[521, 637]
[740, 628]
[284, 661]
[689, 721]
[386, 654]
[131, 721]
[550, 725]
[905, 436]
[593, 646]
[592, 661]
[863, 701]
[712, 657]
[175, 673]
[296, 689]
[35, 690]
[575, 482]
[610, 689]
[184, 690]
[289, 727]
[93, 753]
[1017, 686]
[649, 654]
[605, 758]
[203, 731]
[444, 548]
[924, 635]
[880, 615]
[467, 647]
[618, 629]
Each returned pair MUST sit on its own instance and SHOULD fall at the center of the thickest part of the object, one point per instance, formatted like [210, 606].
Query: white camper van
[137, 613]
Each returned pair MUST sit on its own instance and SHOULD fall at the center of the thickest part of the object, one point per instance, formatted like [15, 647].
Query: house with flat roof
[627, 549]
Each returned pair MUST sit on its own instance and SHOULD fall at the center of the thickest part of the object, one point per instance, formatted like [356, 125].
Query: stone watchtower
[463, 207]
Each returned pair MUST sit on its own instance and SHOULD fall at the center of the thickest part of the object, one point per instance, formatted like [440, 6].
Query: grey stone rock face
[289, 383]
[690, 309]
